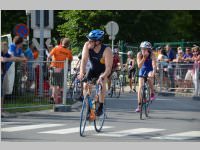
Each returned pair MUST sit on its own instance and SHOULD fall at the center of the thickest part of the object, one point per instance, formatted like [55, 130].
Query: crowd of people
[28, 55]
[178, 66]
[98, 60]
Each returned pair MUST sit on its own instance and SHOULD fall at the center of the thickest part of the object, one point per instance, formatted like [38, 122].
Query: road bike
[145, 95]
[90, 105]
[116, 85]
[75, 88]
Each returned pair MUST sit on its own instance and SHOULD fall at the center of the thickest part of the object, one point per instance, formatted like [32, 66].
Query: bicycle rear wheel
[111, 91]
[117, 88]
[84, 116]
[142, 105]
[99, 121]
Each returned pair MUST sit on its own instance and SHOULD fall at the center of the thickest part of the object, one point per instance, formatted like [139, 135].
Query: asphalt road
[171, 119]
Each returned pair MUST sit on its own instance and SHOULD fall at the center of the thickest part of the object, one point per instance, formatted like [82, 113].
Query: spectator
[162, 56]
[171, 57]
[188, 53]
[131, 70]
[15, 50]
[188, 60]
[7, 75]
[59, 53]
[35, 53]
[180, 69]
[179, 56]
[196, 58]
[116, 62]
[29, 55]
[162, 59]
[196, 54]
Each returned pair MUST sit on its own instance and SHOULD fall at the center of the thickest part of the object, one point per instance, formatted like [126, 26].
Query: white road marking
[180, 136]
[72, 130]
[29, 127]
[130, 132]
[8, 123]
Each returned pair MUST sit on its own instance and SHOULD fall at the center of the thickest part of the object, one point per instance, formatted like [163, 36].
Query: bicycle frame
[87, 105]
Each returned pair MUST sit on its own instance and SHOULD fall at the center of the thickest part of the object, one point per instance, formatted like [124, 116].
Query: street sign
[21, 30]
[111, 37]
[47, 33]
[48, 42]
[36, 44]
[48, 19]
[112, 28]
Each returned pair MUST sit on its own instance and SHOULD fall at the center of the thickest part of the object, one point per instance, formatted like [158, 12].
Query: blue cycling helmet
[146, 44]
[96, 35]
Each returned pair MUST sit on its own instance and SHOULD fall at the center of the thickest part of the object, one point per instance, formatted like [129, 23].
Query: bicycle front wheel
[99, 121]
[84, 116]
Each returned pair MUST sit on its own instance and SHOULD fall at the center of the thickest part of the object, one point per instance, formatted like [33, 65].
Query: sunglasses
[92, 41]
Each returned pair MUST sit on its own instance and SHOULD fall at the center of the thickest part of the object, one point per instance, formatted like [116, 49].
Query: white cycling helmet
[115, 50]
[146, 44]
[130, 53]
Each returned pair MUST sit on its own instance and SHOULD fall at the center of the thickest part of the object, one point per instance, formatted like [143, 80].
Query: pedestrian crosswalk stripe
[72, 130]
[130, 132]
[8, 123]
[29, 127]
[180, 136]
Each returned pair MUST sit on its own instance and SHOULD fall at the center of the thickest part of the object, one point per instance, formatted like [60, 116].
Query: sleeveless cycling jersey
[129, 63]
[146, 67]
[96, 59]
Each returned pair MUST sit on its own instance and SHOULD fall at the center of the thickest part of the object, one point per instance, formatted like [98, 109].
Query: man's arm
[85, 56]
[50, 54]
[108, 62]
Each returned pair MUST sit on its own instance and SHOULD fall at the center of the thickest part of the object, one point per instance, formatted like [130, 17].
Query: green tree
[10, 18]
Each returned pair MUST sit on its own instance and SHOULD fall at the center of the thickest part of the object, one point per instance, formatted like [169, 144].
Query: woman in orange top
[59, 55]
[35, 53]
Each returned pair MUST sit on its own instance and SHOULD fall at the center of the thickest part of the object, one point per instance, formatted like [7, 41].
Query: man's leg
[102, 97]
[130, 81]
[141, 82]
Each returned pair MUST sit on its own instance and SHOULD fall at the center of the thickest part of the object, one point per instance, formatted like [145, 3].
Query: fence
[178, 78]
[24, 87]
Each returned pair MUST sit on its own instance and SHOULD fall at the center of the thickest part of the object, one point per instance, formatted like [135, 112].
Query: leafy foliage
[135, 25]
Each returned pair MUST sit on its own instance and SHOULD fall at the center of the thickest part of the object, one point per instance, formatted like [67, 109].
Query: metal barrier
[24, 87]
[178, 78]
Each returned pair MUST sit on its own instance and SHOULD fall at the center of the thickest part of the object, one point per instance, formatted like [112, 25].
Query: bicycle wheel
[142, 105]
[117, 88]
[76, 92]
[84, 115]
[70, 93]
[147, 99]
[111, 91]
[99, 121]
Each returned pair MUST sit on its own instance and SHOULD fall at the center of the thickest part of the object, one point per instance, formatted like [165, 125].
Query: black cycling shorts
[92, 74]
[131, 73]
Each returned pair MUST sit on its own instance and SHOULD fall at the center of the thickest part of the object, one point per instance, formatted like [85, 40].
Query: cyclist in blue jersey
[146, 61]
[101, 59]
